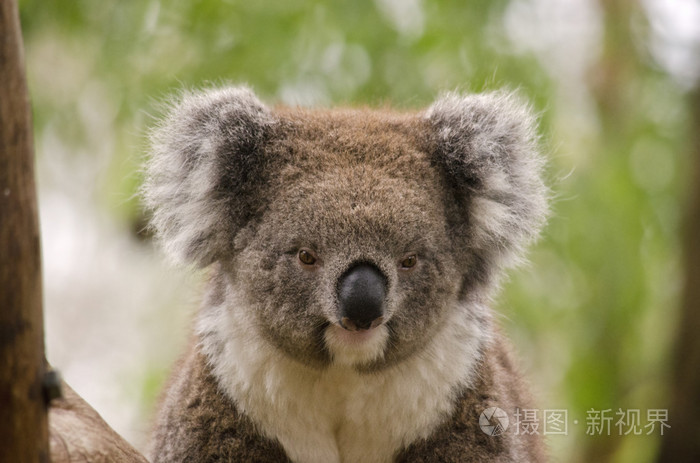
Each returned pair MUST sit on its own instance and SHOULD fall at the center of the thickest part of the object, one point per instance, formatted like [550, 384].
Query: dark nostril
[361, 293]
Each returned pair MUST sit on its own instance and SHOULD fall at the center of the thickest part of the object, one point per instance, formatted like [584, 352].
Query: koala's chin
[360, 349]
[354, 255]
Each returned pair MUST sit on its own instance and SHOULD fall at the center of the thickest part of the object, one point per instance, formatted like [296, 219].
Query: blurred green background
[593, 316]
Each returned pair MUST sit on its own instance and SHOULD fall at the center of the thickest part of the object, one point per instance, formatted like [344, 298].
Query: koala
[351, 257]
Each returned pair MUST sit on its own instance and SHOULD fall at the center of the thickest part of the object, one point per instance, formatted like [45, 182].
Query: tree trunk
[23, 415]
[78, 433]
[681, 442]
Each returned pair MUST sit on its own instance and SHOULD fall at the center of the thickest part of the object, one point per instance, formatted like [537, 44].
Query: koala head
[349, 236]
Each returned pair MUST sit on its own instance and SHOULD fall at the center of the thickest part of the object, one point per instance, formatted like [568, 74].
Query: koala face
[349, 236]
[387, 217]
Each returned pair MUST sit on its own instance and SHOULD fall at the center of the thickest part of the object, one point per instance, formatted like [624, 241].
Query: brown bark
[681, 442]
[79, 434]
[23, 417]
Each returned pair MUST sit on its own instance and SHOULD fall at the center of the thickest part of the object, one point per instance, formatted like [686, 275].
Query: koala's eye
[409, 261]
[306, 257]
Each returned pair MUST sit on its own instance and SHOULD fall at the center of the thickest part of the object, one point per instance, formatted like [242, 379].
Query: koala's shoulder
[198, 422]
[497, 384]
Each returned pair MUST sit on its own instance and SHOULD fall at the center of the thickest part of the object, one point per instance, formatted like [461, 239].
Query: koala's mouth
[355, 348]
[355, 338]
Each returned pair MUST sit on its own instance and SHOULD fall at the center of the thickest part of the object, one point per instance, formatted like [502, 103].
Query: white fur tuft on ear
[488, 146]
[204, 165]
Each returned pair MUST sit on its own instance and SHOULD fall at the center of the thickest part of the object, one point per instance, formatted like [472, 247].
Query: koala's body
[353, 255]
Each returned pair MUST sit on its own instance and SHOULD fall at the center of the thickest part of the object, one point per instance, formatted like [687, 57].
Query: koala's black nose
[361, 293]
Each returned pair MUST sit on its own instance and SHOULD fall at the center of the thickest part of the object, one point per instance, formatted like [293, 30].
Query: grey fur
[489, 147]
[237, 185]
[203, 171]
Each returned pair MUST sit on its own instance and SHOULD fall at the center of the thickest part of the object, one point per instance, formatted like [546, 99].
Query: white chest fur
[339, 415]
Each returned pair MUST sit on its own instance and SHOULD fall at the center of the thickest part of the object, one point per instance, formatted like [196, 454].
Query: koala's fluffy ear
[487, 145]
[205, 171]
